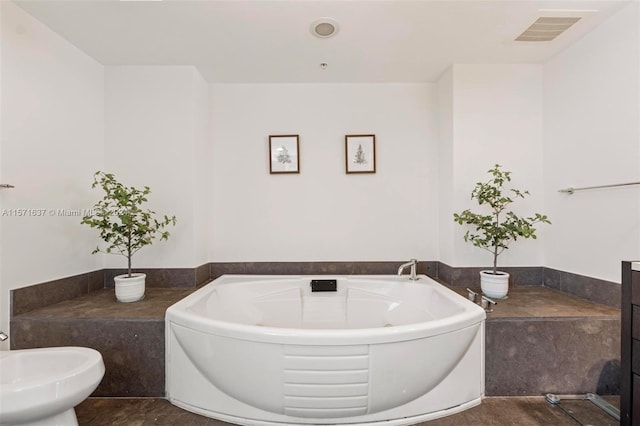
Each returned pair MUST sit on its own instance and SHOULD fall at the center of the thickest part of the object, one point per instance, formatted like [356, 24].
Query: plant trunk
[495, 261]
[129, 255]
[495, 247]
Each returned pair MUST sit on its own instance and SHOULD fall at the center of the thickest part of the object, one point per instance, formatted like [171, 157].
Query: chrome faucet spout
[413, 263]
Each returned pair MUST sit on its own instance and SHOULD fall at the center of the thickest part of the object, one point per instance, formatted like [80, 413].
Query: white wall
[323, 213]
[591, 137]
[496, 118]
[445, 167]
[156, 135]
[203, 175]
[51, 142]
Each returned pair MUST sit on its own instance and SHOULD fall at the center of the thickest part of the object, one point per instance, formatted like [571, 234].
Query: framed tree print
[284, 154]
[360, 153]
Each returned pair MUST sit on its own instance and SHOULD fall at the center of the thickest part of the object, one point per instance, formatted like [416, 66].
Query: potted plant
[125, 226]
[498, 227]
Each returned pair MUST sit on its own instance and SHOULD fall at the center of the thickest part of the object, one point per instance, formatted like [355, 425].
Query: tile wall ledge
[594, 289]
[36, 296]
[29, 298]
[429, 268]
[161, 277]
[470, 275]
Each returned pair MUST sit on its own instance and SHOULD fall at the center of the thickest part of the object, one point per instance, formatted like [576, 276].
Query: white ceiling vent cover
[547, 28]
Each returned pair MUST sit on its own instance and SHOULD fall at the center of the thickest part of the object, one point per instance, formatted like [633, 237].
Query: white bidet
[40, 387]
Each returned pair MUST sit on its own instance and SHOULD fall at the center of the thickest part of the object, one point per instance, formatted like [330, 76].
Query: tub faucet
[414, 265]
[3, 336]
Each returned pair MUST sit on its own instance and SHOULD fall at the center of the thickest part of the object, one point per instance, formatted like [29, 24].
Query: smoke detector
[324, 27]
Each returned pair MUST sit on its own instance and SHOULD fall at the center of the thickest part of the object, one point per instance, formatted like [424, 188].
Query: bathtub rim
[470, 315]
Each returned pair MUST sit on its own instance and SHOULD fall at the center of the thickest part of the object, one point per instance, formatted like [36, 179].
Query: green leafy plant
[496, 229]
[124, 224]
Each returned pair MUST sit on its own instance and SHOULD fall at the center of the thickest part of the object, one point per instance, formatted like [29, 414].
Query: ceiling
[270, 41]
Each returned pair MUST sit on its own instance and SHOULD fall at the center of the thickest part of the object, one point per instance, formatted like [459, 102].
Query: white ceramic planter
[494, 286]
[130, 289]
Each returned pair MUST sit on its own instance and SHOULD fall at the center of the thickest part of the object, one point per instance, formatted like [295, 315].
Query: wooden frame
[360, 153]
[284, 154]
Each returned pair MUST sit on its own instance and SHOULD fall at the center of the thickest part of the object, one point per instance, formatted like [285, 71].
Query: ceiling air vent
[547, 28]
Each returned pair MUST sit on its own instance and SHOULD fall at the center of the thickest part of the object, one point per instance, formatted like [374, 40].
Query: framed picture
[284, 154]
[360, 153]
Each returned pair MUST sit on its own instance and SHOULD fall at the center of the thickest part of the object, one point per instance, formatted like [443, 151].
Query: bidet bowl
[41, 386]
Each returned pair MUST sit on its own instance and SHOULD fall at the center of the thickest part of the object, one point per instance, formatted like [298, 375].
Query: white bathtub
[260, 350]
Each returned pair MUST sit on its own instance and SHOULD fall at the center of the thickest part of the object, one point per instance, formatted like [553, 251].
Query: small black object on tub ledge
[324, 285]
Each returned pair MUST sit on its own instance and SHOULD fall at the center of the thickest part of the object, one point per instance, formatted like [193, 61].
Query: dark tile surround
[525, 333]
[561, 356]
[470, 276]
[165, 278]
[133, 351]
[40, 295]
[600, 291]
[318, 268]
[130, 336]
[594, 289]
[37, 296]
[541, 340]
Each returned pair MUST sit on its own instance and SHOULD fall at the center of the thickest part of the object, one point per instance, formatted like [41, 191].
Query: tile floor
[495, 411]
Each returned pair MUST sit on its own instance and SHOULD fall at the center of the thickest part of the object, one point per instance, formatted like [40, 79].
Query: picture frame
[284, 154]
[360, 153]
